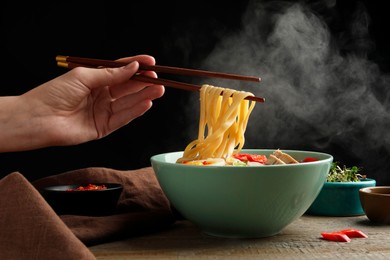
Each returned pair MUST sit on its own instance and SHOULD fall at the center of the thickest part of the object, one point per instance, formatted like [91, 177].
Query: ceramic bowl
[242, 201]
[376, 203]
[340, 199]
[66, 201]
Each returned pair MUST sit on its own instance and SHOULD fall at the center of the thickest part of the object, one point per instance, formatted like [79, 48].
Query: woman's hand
[81, 105]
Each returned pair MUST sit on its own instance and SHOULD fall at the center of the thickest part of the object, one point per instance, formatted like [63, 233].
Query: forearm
[20, 128]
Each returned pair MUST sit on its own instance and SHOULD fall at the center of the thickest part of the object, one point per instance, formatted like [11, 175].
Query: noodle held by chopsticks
[224, 115]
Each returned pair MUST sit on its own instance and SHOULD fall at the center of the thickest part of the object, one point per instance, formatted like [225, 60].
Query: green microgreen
[343, 173]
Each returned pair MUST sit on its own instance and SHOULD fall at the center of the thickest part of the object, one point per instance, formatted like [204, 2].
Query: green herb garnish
[339, 173]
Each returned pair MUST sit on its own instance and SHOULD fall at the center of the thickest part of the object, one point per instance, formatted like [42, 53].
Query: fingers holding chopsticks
[119, 90]
[146, 64]
[133, 86]
[116, 100]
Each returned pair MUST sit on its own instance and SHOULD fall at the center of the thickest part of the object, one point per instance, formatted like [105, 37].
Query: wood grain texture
[300, 240]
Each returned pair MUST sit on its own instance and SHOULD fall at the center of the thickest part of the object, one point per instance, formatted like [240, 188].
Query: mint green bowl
[242, 202]
[340, 199]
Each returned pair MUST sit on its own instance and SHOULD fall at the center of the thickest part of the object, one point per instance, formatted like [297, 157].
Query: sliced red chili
[310, 159]
[354, 233]
[344, 235]
[246, 157]
[336, 236]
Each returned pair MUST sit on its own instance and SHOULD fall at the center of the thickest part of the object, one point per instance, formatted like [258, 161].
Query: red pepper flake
[344, 235]
[89, 187]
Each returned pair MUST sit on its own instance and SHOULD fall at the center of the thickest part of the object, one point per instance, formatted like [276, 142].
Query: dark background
[311, 103]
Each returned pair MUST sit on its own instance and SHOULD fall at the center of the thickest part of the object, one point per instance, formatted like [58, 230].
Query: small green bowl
[340, 199]
[242, 201]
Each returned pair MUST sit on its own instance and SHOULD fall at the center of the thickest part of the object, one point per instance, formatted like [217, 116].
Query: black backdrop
[176, 33]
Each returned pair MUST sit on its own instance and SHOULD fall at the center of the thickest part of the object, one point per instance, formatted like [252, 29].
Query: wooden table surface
[299, 240]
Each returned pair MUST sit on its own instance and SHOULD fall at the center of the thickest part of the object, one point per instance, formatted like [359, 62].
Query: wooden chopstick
[157, 68]
[139, 77]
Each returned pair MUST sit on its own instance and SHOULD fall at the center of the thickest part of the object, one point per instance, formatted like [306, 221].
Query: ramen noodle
[224, 114]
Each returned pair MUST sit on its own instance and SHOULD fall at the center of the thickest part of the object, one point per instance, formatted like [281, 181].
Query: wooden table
[299, 240]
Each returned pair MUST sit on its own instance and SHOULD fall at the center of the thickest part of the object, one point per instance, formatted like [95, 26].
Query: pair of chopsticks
[72, 62]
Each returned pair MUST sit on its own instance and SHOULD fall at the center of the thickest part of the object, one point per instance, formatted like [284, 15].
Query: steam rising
[321, 93]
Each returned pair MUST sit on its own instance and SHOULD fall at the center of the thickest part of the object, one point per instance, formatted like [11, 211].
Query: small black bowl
[67, 201]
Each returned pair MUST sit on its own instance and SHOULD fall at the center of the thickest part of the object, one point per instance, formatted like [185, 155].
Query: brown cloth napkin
[142, 208]
[30, 229]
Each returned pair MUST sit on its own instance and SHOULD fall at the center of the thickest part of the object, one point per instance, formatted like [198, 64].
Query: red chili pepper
[245, 157]
[344, 235]
[336, 236]
[354, 233]
[310, 159]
